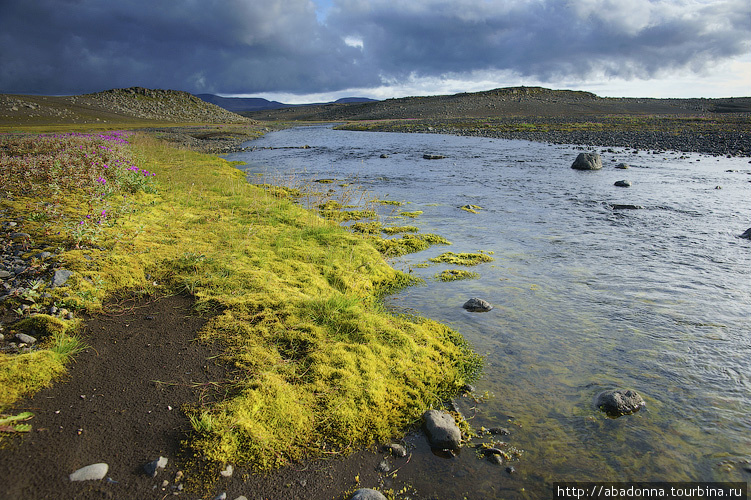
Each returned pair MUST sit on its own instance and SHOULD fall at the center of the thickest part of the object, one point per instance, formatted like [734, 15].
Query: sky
[298, 51]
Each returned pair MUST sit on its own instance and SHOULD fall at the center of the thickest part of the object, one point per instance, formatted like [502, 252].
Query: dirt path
[121, 404]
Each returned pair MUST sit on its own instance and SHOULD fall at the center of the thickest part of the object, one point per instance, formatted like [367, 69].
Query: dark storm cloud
[53, 46]
[545, 39]
[254, 46]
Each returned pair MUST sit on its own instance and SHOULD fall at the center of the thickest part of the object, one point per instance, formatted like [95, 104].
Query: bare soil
[123, 404]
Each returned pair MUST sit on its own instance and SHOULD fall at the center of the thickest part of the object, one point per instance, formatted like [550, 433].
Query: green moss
[388, 202]
[367, 227]
[323, 367]
[400, 229]
[413, 215]
[22, 375]
[456, 275]
[462, 259]
[409, 243]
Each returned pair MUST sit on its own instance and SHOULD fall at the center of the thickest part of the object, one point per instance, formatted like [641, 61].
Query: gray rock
[43, 255]
[433, 157]
[26, 339]
[441, 430]
[619, 402]
[587, 161]
[623, 166]
[221, 496]
[4, 274]
[747, 234]
[152, 468]
[90, 472]
[227, 472]
[495, 459]
[61, 276]
[477, 305]
[384, 155]
[623, 183]
[367, 494]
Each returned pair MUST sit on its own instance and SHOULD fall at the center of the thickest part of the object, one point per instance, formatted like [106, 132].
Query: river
[586, 297]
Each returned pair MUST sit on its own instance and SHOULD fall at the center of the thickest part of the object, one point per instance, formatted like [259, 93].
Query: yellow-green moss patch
[409, 243]
[456, 275]
[321, 366]
[473, 209]
[400, 229]
[413, 215]
[462, 259]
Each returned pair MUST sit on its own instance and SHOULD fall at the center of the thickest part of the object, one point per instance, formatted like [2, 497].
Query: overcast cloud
[301, 47]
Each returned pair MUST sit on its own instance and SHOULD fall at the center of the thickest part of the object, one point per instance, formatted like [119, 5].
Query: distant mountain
[240, 104]
[251, 104]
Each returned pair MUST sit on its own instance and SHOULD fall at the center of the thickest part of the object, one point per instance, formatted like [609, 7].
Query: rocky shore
[665, 134]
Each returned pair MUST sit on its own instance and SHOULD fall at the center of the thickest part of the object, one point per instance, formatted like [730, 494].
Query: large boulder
[441, 429]
[619, 402]
[587, 161]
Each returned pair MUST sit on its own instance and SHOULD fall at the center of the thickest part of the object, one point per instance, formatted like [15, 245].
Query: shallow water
[586, 298]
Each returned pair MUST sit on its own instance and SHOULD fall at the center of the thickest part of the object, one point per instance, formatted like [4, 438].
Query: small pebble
[397, 450]
[383, 466]
[90, 472]
[152, 468]
[499, 430]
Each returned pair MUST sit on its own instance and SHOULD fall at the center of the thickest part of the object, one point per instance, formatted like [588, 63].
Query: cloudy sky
[320, 50]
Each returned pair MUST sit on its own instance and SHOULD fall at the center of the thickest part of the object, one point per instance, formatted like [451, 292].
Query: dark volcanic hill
[131, 105]
[505, 102]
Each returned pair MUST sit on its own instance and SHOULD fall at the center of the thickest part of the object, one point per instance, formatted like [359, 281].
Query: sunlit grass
[319, 365]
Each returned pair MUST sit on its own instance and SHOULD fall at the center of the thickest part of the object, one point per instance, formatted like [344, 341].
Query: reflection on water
[586, 298]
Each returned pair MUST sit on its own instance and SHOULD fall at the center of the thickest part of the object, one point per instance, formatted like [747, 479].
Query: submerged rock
[623, 183]
[477, 305]
[619, 402]
[587, 161]
[433, 157]
[441, 430]
[617, 206]
[623, 166]
[747, 234]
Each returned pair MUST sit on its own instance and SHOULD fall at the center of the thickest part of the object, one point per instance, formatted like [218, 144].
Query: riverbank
[290, 356]
[715, 135]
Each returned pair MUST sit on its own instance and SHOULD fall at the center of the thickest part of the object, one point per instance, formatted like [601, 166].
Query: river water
[587, 298]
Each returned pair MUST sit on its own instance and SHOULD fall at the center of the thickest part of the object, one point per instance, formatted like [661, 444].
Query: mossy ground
[320, 366]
